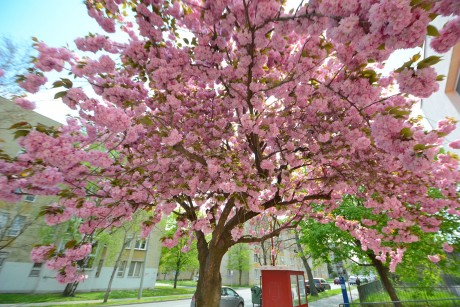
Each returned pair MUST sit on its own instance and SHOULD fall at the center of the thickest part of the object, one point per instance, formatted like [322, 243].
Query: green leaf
[405, 65]
[421, 147]
[186, 40]
[147, 121]
[429, 61]
[58, 84]
[397, 112]
[415, 57]
[371, 75]
[67, 83]
[440, 78]
[20, 133]
[432, 31]
[60, 94]
[406, 133]
[24, 125]
[70, 244]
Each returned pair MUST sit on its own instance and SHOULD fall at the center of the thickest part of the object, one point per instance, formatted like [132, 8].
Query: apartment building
[21, 229]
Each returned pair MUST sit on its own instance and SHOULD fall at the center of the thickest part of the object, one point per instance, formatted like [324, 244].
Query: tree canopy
[235, 110]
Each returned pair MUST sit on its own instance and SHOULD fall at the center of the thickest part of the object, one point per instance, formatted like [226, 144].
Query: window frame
[15, 230]
[135, 268]
[36, 269]
[122, 269]
[3, 257]
[4, 216]
[140, 244]
[30, 198]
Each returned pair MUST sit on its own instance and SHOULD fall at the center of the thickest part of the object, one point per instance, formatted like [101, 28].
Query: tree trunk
[70, 289]
[115, 267]
[311, 282]
[176, 274]
[383, 273]
[210, 281]
[241, 274]
[264, 253]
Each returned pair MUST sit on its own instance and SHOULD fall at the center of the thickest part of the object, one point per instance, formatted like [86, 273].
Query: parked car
[228, 298]
[318, 285]
[324, 283]
[352, 280]
[307, 287]
[336, 281]
[363, 279]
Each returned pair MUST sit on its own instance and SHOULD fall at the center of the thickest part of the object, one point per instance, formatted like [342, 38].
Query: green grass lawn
[115, 294]
[182, 283]
[324, 294]
[442, 296]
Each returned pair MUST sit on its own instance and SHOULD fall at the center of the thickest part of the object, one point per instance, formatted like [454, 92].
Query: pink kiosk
[282, 287]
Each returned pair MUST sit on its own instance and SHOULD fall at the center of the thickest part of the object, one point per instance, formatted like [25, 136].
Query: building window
[256, 257]
[141, 244]
[16, 226]
[3, 219]
[121, 269]
[29, 198]
[129, 241]
[135, 268]
[99, 268]
[89, 261]
[3, 256]
[35, 272]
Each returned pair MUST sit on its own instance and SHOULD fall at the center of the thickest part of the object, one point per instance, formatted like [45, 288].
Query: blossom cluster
[260, 113]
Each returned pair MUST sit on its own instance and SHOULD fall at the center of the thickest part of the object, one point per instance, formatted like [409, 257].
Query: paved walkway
[334, 301]
[118, 300]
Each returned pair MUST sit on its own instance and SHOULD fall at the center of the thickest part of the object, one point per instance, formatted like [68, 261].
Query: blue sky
[56, 22]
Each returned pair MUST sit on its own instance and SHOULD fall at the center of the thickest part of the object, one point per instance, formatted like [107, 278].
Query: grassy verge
[182, 283]
[324, 294]
[127, 301]
[116, 294]
[430, 298]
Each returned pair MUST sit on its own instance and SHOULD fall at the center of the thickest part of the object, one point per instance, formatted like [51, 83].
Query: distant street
[246, 294]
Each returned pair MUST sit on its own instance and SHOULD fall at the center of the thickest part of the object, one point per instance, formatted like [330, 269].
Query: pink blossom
[42, 253]
[24, 103]
[173, 138]
[447, 248]
[448, 36]
[2, 72]
[455, 144]
[446, 126]
[434, 258]
[32, 82]
[421, 83]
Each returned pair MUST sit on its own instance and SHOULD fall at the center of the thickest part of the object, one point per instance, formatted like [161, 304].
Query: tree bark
[383, 273]
[115, 267]
[210, 281]
[176, 274]
[311, 282]
[70, 289]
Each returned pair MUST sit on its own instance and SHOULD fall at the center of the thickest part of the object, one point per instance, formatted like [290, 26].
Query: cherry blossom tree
[236, 110]
[419, 251]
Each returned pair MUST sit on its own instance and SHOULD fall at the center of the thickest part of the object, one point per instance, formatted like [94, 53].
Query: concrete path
[334, 301]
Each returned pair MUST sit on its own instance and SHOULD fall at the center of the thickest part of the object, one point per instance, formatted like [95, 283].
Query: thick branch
[190, 155]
